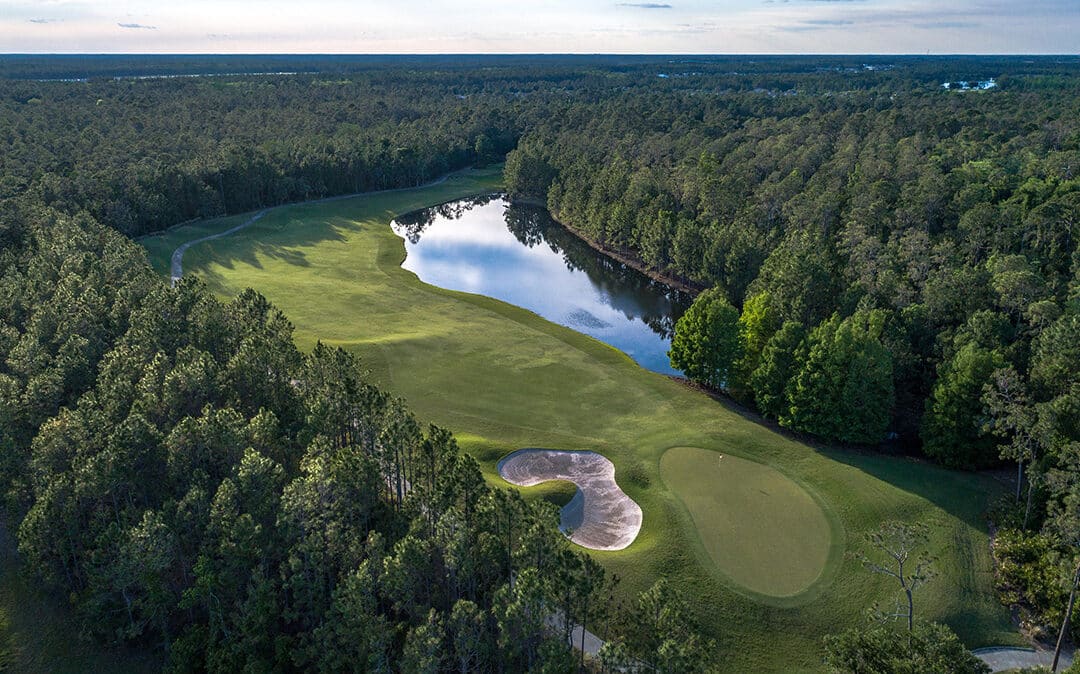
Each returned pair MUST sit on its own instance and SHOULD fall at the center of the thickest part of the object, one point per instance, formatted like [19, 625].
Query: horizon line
[526, 53]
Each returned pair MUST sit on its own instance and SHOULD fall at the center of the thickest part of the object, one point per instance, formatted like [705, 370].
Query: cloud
[136, 26]
[42, 20]
[817, 24]
[945, 25]
[645, 5]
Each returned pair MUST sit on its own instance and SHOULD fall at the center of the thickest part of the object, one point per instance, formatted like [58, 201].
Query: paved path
[1002, 659]
[592, 643]
[177, 269]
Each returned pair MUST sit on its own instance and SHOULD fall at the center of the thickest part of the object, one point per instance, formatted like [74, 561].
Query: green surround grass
[559, 492]
[502, 378]
[763, 531]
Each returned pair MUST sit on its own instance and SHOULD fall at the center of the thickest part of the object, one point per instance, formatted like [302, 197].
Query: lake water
[519, 255]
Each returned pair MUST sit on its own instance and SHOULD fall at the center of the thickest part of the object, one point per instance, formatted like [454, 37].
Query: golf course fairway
[501, 378]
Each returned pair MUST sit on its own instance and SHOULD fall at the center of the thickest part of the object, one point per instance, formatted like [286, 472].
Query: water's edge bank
[625, 256]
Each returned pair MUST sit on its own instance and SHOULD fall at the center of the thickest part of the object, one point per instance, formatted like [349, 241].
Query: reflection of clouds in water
[470, 278]
[490, 249]
[479, 229]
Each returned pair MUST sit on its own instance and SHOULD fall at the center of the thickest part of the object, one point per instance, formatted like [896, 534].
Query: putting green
[762, 530]
[502, 378]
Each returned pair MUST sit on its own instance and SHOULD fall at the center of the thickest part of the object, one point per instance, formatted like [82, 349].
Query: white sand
[600, 516]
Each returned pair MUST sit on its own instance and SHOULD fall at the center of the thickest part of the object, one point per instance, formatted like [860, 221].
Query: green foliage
[1056, 354]
[526, 174]
[424, 648]
[937, 208]
[5, 643]
[844, 387]
[1034, 570]
[1017, 284]
[883, 650]
[216, 494]
[758, 322]
[706, 344]
[953, 428]
[798, 279]
[672, 646]
[564, 389]
[287, 139]
[776, 368]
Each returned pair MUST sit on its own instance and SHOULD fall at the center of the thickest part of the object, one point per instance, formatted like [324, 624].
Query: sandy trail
[600, 516]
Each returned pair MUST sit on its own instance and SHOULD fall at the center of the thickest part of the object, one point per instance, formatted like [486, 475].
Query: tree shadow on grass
[277, 236]
[964, 495]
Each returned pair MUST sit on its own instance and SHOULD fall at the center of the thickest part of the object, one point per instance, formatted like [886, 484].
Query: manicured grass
[502, 378]
[764, 531]
[559, 492]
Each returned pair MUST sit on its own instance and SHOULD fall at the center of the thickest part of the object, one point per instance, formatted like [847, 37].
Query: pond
[518, 254]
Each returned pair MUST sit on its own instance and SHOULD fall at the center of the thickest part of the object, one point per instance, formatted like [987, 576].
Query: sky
[548, 26]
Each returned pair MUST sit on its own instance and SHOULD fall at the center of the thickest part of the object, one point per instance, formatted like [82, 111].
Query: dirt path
[177, 270]
[600, 516]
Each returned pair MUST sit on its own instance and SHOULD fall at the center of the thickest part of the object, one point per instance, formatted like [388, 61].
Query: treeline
[881, 265]
[933, 208]
[144, 155]
[195, 484]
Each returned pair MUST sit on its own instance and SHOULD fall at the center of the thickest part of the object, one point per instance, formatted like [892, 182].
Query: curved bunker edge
[600, 516]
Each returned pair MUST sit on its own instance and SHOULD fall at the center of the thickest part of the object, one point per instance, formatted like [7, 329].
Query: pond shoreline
[625, 256]
[494, 251]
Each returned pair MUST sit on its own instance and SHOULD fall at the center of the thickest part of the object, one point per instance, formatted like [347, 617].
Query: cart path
[177, 270]
[1004, 658]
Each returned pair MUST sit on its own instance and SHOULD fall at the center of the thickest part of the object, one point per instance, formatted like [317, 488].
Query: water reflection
[518, 254]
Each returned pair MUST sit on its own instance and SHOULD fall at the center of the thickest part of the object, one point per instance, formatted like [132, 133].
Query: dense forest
[881, 257]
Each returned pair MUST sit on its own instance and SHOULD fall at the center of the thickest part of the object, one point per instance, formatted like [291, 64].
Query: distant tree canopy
[949, 216]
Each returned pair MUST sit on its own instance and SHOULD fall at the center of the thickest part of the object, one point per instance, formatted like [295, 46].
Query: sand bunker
[600, 516]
